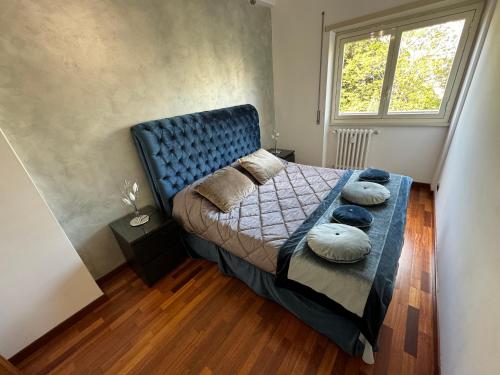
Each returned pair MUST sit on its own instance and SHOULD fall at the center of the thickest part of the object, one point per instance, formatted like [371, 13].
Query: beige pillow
[225, 188]
[262, 165]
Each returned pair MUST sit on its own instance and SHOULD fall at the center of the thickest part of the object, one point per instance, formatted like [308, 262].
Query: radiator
[353, 146]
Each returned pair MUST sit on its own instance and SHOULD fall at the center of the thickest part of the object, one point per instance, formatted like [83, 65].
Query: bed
[261, 242]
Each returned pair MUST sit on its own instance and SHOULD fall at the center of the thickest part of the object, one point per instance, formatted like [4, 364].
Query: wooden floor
[199, 321]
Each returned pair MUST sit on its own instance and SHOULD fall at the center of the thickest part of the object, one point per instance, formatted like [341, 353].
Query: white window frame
[471, 13]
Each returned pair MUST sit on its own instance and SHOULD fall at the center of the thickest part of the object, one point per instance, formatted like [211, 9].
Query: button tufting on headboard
[177, 151]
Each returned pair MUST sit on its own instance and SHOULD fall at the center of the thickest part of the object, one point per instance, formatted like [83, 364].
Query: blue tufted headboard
[179, 150]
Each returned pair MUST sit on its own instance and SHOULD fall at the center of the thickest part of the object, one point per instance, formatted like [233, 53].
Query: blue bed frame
[176, 152]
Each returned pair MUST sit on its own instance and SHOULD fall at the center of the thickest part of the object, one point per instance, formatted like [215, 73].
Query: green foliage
[424, 63]
[363, 74]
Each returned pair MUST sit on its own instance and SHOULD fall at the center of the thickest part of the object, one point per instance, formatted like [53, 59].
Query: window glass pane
[363, 75]
[424, 63]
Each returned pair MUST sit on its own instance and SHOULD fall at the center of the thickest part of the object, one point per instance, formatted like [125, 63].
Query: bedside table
[151, 249]
[288, 155]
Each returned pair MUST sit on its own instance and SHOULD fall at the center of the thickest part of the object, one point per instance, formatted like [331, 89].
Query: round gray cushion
[339, 243]
[365, 193]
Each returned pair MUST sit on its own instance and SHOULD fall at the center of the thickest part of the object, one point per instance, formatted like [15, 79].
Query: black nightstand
[288, 155]
[151, 249]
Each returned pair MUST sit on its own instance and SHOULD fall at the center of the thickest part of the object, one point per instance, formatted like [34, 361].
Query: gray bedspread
[362, 290]
[265, 220]
[347, 284]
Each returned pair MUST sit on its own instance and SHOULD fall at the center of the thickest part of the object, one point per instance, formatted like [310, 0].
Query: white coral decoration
[130, 193]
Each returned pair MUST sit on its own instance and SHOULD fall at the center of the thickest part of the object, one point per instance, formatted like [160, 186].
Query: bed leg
[367, 357]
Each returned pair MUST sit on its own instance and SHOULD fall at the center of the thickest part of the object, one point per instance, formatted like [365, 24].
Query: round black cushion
[353, 215]
[374, 175]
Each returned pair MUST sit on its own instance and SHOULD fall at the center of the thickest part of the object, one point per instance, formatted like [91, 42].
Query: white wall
[296, 46]
[42, 279]
[468, 222]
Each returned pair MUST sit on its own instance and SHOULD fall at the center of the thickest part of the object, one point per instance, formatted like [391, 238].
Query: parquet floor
[200, 322]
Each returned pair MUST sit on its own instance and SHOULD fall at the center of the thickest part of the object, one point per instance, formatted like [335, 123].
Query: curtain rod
[318, 111]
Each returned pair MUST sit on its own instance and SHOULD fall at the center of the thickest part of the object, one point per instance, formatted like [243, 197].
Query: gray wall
[75, 75]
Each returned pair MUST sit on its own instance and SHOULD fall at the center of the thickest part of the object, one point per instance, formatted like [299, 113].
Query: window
[407, 70]
[363, 74]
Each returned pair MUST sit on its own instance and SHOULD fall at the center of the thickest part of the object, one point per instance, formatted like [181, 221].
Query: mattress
[257, 228]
